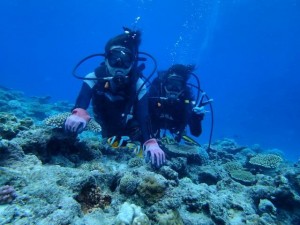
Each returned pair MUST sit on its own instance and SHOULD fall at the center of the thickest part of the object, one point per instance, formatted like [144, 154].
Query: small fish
[190, 141]
[117, 142]
[136, 148]
[124, 142]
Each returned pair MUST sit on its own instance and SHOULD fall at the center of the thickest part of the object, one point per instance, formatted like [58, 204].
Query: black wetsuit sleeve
[195, 124]
[84, 97]
[154, 89]
[153, 99]
[143, 117]
[194, 120]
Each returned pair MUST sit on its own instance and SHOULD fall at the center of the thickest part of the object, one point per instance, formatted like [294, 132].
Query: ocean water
[246, 52]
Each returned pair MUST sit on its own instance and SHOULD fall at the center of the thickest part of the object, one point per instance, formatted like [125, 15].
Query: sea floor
[48, 176]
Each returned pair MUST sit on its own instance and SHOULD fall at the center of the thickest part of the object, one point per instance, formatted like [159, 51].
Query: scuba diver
[172, 104]
[119, 97]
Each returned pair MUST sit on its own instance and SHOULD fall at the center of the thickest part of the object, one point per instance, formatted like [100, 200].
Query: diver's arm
[141, 110]
[195, 124]
[84, 97]
[77, 121]
[195, 119]
[85, 94]
[143, 117]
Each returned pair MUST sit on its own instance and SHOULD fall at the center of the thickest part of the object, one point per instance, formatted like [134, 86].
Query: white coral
[131, 214]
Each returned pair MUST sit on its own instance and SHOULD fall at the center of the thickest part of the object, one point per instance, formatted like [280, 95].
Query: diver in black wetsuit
[119, 103]
[172, 104]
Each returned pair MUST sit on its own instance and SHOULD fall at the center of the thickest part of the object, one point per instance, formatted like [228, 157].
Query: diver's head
[119, 60]
[175, 79]
[121, 52]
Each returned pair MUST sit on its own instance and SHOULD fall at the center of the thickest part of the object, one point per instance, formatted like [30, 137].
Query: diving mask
[120, 57]
[173, 96]
[174, 87]
[174, 83]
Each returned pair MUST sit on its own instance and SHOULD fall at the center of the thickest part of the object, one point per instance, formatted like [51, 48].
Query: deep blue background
[246, 52]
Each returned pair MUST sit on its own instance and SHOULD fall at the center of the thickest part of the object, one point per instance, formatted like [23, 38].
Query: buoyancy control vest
[113, 107]
[166, 113]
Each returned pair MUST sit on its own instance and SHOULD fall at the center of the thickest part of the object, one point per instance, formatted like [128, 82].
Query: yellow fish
[190, 141]
[124, 142]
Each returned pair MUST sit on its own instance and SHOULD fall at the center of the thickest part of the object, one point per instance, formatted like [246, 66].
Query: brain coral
[152, 188]
[268, 161]
[128, 184]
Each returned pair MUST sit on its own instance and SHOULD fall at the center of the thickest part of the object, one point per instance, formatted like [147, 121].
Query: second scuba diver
[172, 104]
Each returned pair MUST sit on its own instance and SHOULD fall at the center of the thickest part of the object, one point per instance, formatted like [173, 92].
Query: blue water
[247, 55]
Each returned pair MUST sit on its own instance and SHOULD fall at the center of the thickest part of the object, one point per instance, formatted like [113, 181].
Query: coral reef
[266, 206]
[128, 184]
[152, 188]
[131, 214]
[67, 179]
[10, 125]
[135, 162]
[7, 194]
[268, 161]
[243, 176]
[170, 217]
[35, 107]
[232, 166]
[91, 197]
[59, 120]
[169, 173]
[10, 151]
[194, 154]
[238, 173]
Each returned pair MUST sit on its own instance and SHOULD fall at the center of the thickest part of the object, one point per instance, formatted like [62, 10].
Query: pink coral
[7, 194]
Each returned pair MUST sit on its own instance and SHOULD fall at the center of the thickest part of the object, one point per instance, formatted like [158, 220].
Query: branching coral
[58, 121]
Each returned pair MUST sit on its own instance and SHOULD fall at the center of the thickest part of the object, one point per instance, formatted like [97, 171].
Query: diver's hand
[199, 110]
[153, 152]
[76, 122]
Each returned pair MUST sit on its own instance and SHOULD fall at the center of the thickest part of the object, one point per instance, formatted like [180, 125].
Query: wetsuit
[172, 114]
[119, 110]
